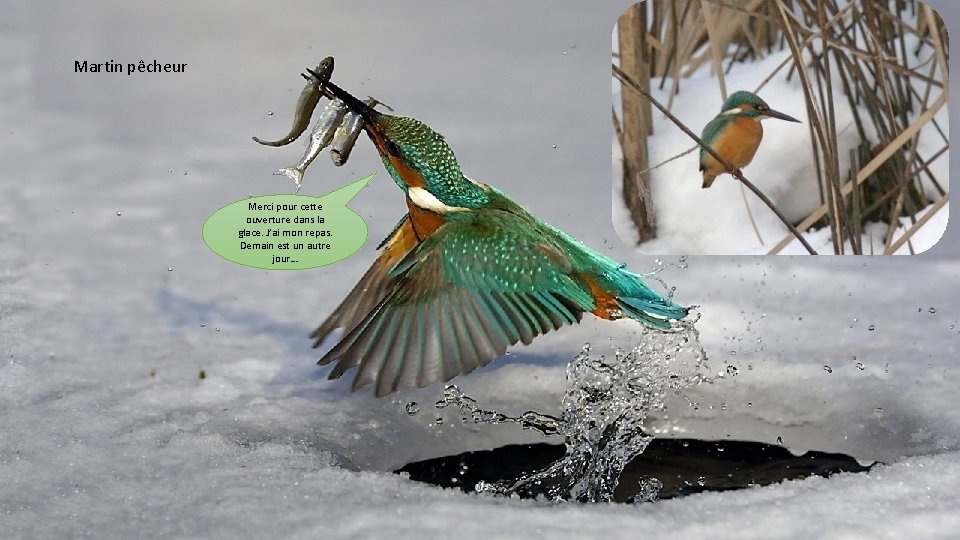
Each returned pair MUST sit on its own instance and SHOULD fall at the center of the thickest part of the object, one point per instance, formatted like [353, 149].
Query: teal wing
[710, 133]
[459, 299]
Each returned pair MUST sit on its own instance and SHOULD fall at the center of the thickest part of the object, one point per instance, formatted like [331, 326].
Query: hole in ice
[608, 455]
[680, 466]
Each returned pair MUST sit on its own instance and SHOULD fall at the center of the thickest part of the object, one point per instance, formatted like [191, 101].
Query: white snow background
[111, 305]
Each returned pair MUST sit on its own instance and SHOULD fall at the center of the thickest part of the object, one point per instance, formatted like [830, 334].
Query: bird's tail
[641, 303]
[653, 313]
[708, 179]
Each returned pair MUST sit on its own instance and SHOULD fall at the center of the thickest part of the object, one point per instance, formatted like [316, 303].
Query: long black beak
[777, 114]
[333, 91]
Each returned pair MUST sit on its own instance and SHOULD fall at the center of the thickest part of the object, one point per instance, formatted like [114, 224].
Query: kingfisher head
[417, 157]
[745, 104]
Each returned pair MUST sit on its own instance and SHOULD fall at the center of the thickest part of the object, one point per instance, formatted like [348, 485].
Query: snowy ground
[716, 221]
[111, 305]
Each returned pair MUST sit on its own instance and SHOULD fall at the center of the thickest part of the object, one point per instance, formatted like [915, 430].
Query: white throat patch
[422, 198]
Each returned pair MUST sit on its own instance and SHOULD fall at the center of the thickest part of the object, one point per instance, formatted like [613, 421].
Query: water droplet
[602, 413]
[932, 309]
[701, 481]
[828, 369]
[732, 371]
[779, 440]
[872, 327]
[878, 412]
[860, 366]
[553, 146]
[438, 421]
[119, 213]
[269, 113]
[412, 408]
[169, 269]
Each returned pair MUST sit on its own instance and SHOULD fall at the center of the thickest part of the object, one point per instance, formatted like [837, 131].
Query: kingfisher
[735, 133]
[466, 273]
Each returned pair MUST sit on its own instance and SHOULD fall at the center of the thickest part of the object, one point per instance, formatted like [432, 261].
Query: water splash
[454, 397]
[603, 412]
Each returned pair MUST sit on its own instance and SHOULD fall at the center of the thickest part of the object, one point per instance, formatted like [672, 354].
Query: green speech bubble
[288, 232]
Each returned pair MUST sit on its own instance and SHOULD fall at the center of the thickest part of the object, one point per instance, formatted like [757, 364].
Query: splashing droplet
[872, 327]
[828, 369]
[412, 408]
[603, 412]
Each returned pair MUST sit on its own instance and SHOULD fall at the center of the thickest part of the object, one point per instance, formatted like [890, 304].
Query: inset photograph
[780, 127]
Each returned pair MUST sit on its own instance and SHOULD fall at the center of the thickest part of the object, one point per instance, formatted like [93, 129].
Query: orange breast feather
[739, 142]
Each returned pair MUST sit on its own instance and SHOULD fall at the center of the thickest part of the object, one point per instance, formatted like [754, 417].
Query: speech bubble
[288, 232]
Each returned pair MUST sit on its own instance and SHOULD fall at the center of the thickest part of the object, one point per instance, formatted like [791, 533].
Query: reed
[855, 49]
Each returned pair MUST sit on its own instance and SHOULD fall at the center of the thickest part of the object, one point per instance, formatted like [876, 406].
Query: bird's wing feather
[373, 286]
[460, 298]
[710, 133]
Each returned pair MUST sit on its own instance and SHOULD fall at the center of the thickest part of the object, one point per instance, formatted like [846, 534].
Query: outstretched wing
[373, 286]
[459, 299]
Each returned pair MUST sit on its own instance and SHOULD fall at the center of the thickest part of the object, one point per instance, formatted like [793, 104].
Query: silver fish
[347, 134]
[323, 133]
[309, 97]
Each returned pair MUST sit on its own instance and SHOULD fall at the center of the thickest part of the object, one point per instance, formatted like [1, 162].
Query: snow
[111, 305]
[692, 220]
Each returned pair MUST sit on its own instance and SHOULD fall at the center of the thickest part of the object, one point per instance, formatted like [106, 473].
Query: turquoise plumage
[465, 274]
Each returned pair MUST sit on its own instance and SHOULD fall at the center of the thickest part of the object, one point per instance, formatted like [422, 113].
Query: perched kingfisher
[735, 133]
[465, 274]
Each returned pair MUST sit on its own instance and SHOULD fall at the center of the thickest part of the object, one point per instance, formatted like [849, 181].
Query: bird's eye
[394, 149]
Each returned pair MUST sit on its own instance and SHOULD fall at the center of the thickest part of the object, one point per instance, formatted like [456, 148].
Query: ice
[107, 430]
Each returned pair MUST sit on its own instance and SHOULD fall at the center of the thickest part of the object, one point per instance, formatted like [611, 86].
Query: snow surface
[111, 305]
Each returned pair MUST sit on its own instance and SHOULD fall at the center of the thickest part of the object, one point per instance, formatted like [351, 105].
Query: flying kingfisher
[735, 133]
[465, 274]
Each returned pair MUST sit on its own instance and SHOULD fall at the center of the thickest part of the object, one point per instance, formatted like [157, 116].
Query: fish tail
[292, 173]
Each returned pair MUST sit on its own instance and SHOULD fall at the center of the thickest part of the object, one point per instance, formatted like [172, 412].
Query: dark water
[683, 466]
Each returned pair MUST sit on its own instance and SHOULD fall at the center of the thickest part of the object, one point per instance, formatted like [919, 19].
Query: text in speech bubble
[288, 232]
